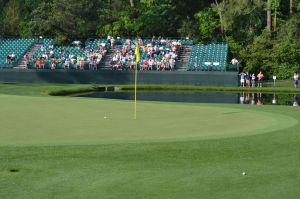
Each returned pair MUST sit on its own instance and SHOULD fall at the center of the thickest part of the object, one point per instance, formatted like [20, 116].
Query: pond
[202, 97]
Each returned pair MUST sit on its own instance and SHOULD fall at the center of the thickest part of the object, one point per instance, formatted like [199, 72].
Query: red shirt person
[260, 77]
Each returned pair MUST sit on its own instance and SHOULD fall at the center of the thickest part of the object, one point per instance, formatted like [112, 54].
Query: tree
[208, 24]
[269, 15]
[292, 6]
[241, 19]
[40, 24]
[275, 8]
[11, 19]
[131, 3]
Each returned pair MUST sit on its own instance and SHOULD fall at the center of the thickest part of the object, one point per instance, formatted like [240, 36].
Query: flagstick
[135, 89]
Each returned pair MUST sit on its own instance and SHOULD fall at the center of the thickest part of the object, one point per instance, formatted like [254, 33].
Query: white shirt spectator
[234, 61]
[45, 56]
[115, 58]
[174, 56]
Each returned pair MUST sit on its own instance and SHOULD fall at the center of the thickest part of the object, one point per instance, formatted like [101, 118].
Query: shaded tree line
[262, 34]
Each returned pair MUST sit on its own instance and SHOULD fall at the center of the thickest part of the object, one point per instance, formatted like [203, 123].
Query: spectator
[42, 64]
[51, 54]
[242, 74]
[108, 39]
[53, 64]
[234, 61]
[247, 78]
[260, 77]
[112, 42]
[153, 41]
[253, 80]
[13, 57]
[296, 79]
[38, 64]
[67, 64]
[26, 59]
[8, 59]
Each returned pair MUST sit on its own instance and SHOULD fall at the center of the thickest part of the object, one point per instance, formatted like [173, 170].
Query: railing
[232, 67]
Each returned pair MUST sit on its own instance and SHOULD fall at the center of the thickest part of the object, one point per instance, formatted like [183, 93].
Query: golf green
[73, 148]
[59, 121]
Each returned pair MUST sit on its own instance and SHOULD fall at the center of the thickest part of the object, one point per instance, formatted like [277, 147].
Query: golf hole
[14, 170]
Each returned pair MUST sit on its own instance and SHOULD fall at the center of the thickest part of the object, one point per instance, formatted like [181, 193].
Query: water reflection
[260, 99]
[194, 97]
[254, 99]
[296, 100]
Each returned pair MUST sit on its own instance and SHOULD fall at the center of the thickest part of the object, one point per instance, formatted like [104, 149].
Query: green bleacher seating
[211, 57]
[16, 46]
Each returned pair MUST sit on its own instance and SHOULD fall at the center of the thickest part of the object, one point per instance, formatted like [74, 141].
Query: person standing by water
[296, 79]
[242, 74]
[260, 77]
[253, 80]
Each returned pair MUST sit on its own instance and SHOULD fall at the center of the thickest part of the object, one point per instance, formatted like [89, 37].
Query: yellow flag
[137, 52]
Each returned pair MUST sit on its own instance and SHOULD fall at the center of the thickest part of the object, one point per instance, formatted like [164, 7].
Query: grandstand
[180, 54]
[41, 60]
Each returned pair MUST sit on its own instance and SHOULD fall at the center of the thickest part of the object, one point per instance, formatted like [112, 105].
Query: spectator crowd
[156, 54]
[69, 57]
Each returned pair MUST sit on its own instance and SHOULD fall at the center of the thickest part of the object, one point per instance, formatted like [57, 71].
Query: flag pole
[137, 59]
[135, 89]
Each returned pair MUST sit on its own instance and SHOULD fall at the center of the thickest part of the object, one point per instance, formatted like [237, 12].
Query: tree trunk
[291, 6]
[131, 3]
[220, 16]
[269, 16]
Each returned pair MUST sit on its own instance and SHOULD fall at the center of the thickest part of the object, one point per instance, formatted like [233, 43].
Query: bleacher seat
[17, 46]
[208, 57]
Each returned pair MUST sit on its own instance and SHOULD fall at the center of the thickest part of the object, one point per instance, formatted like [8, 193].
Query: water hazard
[258, 99]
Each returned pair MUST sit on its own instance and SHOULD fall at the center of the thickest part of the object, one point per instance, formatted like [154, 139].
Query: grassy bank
[41, 89]
[71, 89]
[209, 88]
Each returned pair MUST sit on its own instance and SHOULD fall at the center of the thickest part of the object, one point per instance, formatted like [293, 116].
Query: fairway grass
[56, 147]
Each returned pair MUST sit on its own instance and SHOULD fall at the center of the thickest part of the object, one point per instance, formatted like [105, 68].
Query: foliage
[240, 23]
[208, 25]
[11, 18]
[275, 55]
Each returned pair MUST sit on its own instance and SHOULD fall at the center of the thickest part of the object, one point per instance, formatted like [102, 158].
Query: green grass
[28, 89]
[73, 89]
[283, 88]
[61, 147]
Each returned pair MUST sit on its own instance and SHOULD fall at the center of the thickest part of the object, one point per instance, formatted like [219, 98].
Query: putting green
[59, 121]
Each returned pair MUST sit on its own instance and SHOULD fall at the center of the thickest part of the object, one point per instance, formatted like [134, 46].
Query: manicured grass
[55, 121]
[73, 89]
[268, 88]
[56, 147]
[38, 89]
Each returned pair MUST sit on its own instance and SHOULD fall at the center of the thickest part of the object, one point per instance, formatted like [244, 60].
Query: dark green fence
[120, 77]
